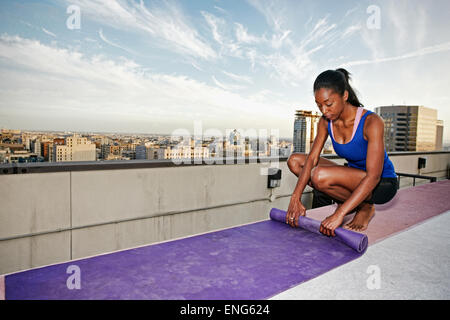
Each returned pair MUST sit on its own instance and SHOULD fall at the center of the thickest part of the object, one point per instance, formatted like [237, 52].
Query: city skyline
[157, 66]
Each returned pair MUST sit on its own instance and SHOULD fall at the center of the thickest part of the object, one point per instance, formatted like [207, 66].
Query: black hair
[337, 80]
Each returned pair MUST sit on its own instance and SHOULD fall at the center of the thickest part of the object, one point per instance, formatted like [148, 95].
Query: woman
[357, 135]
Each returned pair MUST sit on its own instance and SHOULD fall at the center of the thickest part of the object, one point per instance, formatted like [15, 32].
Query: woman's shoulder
[373, 121]
[366, 111]
[323, 120]
[370, 115]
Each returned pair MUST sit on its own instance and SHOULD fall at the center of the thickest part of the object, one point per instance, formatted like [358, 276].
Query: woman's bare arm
[312, 159]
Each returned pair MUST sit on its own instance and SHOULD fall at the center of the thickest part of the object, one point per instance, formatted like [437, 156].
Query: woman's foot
[362, 218]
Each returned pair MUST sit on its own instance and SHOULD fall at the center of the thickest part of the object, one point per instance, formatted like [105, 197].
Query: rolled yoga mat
[354, 240]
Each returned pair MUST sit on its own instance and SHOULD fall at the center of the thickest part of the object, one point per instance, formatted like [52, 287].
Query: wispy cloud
[243, 36]
[398, 18]
[272, 11]
[319, 33]
[349, 12]
[417, 53]
[215, 24]
[350, 30]
[274, 14]
[49, 33]
[220, 9]
[167, 24]
[227, 87]
[223, 36]
[239, 78]
[102, 36]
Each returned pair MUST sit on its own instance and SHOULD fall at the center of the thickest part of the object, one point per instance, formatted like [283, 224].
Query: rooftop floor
[408, 257]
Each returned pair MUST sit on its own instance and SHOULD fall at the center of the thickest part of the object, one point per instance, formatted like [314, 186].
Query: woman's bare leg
[296, 162]
[338, 182]
[361, 220]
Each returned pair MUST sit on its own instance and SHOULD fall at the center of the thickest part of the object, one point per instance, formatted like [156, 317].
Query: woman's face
[330, 103]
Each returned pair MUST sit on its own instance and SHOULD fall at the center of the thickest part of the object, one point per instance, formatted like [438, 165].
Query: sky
[141, 66]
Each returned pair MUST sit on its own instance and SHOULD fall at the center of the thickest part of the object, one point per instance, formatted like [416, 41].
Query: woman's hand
[330, 223]
[295, 210]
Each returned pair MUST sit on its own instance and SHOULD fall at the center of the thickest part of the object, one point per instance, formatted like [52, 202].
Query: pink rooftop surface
[409, 207]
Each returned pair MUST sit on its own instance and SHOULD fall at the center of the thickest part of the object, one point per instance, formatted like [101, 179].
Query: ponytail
[337, 80]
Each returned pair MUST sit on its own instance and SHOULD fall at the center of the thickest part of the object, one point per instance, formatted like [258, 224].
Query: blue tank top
[355, 151]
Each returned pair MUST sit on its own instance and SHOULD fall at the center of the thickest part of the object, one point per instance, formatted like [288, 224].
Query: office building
[305, 130]
[409, 128]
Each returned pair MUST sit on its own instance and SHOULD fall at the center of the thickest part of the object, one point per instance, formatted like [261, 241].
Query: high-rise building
[46, 150]
[141, 152]
[439, 134]
[36, 147]
[409, 128]
[305, 130]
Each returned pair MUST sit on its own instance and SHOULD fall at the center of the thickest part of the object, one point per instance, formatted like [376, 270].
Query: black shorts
[384, 191]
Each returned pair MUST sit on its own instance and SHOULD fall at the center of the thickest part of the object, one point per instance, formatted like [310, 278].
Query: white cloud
[49, 33]
[318, 33]
[279, 39]
[221, 10]
[243, 36]
[374, 42]
[272, 11]
[215, 23]
[46, 81]
[274, 14]
[167, 24]
[102, 36]
[227, 87]
[417, 53]
[239, 78]
[221, 34]
[350, 30]
[351, 11]
[421, 21]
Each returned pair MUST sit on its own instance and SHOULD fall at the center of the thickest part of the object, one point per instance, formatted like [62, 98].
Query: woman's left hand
[330, 223]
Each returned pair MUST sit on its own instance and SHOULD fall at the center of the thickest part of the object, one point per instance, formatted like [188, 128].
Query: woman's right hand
[295, 210]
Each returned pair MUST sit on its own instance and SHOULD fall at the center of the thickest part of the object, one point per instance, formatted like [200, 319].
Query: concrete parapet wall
[52, 217]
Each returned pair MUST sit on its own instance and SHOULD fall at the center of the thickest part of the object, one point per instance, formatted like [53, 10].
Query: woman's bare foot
[362, 217]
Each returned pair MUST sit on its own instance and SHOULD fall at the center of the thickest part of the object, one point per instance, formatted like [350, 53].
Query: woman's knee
[296, 162]
[319, 177]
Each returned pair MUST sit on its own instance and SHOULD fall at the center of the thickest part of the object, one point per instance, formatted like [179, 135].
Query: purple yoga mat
[354, 240]
[254, 261]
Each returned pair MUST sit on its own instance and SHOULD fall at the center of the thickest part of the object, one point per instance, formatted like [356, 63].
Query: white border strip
[2, 288]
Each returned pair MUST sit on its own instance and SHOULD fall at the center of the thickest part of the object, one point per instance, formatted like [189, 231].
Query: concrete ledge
[34, 203]
[31, 252]
[42, 167]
